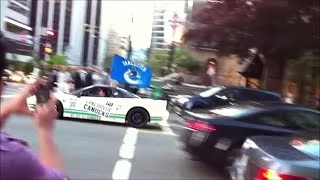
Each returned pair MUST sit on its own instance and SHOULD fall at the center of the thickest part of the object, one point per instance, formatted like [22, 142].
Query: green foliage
[26, 67]
[157, 61]
[57, 60]
[305, 72]
[280, 29]
[184, 60]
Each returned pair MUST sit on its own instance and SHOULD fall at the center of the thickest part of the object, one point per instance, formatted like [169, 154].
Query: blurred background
[260, 44]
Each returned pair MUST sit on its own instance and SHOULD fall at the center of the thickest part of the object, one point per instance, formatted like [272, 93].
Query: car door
[102, 105]
[266, 123]
[74, 106]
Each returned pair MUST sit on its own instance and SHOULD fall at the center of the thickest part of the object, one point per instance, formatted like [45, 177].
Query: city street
[115, 151]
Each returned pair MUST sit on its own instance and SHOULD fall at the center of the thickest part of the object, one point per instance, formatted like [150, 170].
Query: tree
[57, 60]
[184, 60]
[157, 61]
[278, 29]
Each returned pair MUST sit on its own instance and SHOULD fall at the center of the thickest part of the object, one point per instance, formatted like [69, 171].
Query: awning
[252, 68]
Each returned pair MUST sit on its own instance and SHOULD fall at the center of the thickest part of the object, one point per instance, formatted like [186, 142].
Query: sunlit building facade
[15, 25]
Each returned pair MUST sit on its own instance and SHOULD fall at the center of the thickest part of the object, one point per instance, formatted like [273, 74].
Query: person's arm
[19, 162]
[44, 117]
[5, 112]
[49, 153]
[18, 105]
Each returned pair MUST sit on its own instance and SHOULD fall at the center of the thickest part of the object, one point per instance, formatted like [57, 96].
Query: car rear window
[254, 95]
[235, 111]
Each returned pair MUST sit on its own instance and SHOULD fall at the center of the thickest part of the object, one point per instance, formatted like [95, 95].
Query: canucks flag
[127, 72]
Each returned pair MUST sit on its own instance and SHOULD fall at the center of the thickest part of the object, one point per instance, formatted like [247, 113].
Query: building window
[158, 29]
[23, 2]
[158, 17]
[158, 34]
[158, 40]
[15, 29]
[18, 9]
[158, 23]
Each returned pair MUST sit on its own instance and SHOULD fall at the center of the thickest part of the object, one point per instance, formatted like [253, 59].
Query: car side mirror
[80, 94]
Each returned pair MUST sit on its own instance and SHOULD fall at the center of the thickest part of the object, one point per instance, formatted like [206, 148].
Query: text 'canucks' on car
[113, 104]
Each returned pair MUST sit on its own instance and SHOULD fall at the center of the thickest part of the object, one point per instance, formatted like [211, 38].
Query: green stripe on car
[81, 112]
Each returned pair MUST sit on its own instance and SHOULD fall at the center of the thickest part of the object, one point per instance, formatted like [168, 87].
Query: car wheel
[59, 109]
[137, 117]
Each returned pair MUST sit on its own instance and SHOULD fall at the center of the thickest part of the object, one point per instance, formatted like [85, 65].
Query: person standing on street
[17, 161]
[77, 79]
[211, 72]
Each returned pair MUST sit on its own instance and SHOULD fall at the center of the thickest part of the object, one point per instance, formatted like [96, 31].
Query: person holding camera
[17, 161]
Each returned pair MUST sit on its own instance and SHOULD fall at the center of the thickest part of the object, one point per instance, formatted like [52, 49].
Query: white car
[116, 105]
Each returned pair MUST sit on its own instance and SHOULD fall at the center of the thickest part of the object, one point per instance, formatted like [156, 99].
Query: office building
[162, 32]
[15, 25]
[56, 17]
[75, 24]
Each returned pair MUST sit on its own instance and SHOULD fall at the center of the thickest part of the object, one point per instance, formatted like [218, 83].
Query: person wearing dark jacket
[77, 80]
[89, 79]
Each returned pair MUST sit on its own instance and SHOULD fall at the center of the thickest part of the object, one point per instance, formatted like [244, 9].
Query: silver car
[278, 158]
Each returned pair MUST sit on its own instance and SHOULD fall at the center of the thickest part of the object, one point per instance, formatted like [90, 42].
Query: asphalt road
[114, 151]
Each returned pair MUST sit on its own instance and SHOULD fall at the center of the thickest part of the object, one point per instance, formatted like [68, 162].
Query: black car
[268, 158]
[213, 134]
[221, 96]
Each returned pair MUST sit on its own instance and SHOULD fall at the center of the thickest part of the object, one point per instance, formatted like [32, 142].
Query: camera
[43, 95]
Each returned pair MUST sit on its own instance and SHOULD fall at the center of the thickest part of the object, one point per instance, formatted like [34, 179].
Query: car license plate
[223, 144]
[197, 138]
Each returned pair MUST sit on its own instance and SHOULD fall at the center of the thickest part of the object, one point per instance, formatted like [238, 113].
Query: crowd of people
[67, 79]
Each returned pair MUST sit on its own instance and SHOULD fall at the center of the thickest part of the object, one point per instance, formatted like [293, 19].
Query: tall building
[115, 43]
[15, 25]
[56, 17]
[161, 25]
[158, 26]
[75, 25]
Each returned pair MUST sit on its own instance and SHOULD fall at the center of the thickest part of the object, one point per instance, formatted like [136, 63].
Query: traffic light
[47, 49]
[50, 34]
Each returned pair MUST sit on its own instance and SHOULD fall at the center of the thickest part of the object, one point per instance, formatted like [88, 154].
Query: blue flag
[127, 72]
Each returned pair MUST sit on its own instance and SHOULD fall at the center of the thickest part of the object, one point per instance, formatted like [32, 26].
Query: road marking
[123, 166]
[122, 170]
[156, 132]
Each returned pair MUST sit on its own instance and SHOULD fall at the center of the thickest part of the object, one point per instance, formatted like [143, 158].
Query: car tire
[137, 117]
[59, 109]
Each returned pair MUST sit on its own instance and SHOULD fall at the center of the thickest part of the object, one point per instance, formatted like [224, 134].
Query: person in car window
[17, 161]
[101, 93]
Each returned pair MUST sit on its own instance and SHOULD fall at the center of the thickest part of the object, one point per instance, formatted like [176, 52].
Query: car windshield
[210, 92]
[127, 94]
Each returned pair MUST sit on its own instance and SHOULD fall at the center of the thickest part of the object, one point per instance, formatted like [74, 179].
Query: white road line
[123, 166]
[122, 170]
